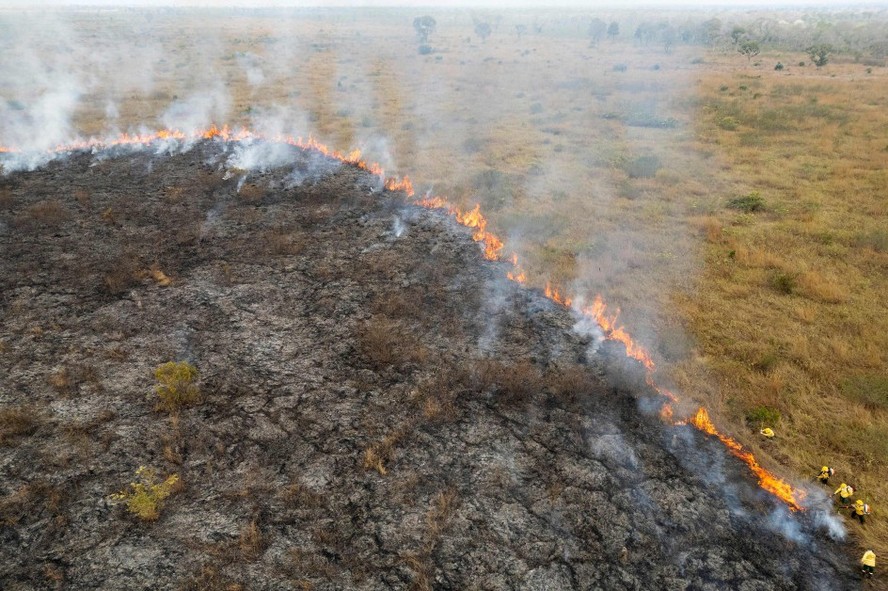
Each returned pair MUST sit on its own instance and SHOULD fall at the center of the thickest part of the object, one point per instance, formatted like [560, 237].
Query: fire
[493, 247]
[608, 323]
[553, 294]
[474, 219]
[766, 480]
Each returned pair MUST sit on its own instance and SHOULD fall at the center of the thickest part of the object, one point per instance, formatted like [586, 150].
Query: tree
[709, 31]
[613, 30]
[520, 30]
[820, 53]
[425, 26]
[483, 30]
[749, 48]
[597, 30]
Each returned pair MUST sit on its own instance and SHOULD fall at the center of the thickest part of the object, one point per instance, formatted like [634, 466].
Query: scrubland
[736, 213]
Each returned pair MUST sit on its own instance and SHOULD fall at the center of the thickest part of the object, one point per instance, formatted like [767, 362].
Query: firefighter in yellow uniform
[844, 491]
[868, 563]
[767, 432]
[825, 473]
[860, 510]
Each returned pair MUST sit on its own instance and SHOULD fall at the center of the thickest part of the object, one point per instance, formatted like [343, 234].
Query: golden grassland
[612, 169]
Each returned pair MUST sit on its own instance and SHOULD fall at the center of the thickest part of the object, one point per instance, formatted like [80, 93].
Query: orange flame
[766, 480]
[493, 246]
[553, 294]
[474, 219]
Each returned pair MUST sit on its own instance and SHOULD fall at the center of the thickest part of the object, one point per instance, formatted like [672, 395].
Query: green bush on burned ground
[176, 385]
[145, 496]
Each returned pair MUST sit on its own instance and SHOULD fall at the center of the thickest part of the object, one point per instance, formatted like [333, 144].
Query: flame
[493, 246]
[474, 219]
[766, 480]
[553, 294]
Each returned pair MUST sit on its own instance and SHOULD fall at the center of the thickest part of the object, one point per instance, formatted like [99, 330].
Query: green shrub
[728, 123]
[748, 203]
[620, 67]
[763, 415]
[779, 66]
[784, 282]
[146, 495]
[643, 167]
[176, 385]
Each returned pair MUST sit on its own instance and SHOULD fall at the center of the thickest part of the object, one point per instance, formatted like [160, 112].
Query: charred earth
[379, 407]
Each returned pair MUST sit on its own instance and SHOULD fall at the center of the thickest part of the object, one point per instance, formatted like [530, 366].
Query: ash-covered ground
[380, 408]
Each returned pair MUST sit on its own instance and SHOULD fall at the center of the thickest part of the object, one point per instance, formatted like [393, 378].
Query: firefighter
[844, 491]
[868, 563]
[767, 432]
[825, 474]
[860, 510]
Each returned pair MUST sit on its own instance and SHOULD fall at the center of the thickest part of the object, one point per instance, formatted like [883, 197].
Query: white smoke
[249, 63]
[260, 155]
[199, 110]
[398, 227]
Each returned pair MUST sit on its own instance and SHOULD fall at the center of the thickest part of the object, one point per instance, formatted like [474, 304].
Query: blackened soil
[380, 408]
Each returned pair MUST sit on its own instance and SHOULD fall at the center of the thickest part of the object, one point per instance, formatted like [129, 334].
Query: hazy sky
[591, 4]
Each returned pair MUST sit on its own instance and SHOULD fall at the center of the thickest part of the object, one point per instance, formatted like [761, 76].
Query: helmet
[825, 469]
[859, 502]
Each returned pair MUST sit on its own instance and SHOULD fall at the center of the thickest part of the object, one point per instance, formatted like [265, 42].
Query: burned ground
[380, 408]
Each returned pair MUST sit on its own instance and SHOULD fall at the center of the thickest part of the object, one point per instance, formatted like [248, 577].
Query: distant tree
[520, 30]
[425, 26]
[613, 30]
[710, 31]
[820, 53]
[668, 36]
[737, 35]
[749, 48]
[597, 30]
[483, 30]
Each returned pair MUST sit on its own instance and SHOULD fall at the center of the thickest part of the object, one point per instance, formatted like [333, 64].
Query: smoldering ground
[323, 337]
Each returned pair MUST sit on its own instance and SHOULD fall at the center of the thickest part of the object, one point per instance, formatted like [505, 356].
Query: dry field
[736, 213]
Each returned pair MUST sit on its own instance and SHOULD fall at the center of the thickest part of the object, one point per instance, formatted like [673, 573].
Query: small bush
[801, 64]
[146, 495]
[620, 67]
[763, 415]
[779, 66]
[748, 203]
[643, 167]
[536, 109]
[176, 385]
[785, 283]
[425, 49]
[698, 60]
[728, 123]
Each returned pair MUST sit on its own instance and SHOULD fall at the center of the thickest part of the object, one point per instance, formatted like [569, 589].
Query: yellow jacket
[869, 558]
[861, 508]
[844, 491]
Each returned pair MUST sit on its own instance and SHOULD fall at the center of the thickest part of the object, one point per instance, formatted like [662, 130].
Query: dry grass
[16, 423]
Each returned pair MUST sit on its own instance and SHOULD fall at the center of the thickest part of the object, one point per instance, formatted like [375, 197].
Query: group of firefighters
[859, 510]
